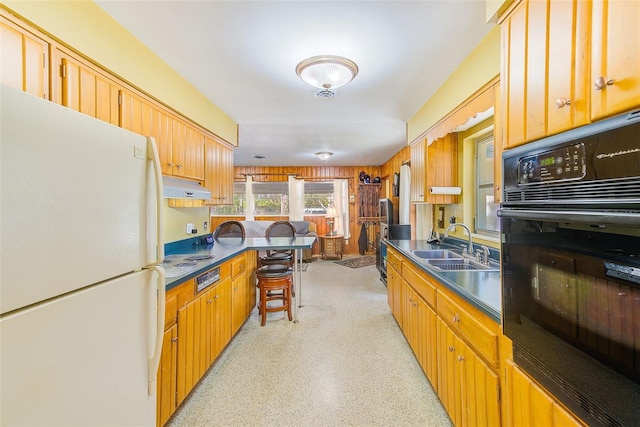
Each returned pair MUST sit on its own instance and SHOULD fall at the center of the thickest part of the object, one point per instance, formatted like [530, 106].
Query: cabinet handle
[170, 165]
[562, 102]
[216, 296]
[460, 358]
[209, 301]
[452, 348]
[174, 339]
[178, 166]
[602, 82]
[497, 187]
[456, 318]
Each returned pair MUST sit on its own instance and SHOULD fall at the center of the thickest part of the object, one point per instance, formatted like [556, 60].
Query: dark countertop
[479, 288]
[229, 248]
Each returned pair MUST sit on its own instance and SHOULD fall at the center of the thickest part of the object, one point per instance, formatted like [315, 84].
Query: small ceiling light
[327, 72]
[260, 156]
[324, 155]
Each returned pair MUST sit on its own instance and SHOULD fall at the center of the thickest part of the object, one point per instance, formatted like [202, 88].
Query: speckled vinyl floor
[346, 363]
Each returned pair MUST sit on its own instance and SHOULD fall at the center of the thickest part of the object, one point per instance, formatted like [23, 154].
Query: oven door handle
[584, 217]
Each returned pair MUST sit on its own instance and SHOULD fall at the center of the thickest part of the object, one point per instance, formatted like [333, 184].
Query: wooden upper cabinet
[218, 177]
[187, 151]
[442, 168]
[418, 171]
[82, 87]
[544, 68]
[25, 59]
[615, 58]
[568, 90]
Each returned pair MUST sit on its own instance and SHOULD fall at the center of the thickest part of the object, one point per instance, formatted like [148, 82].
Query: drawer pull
[456, 318]
[452, 348]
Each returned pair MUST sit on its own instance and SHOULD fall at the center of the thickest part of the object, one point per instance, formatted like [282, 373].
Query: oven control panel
[207, 279]
[560, 164]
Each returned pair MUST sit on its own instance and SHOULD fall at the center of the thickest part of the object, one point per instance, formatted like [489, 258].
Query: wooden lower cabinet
[167, 376]
[527, 404]
[456, 346]
[419, 326]
[198, 328]
[204, 328]
[468, 388]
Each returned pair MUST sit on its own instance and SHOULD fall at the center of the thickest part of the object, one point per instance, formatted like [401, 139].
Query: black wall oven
[570, 224]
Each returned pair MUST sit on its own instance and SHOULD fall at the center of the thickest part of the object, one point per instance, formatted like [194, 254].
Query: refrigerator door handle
[157, 322]
[152, 153]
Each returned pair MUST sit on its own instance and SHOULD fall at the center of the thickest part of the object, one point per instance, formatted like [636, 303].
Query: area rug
[362, 261]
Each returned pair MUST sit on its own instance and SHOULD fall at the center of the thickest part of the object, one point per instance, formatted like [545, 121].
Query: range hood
[175, 188]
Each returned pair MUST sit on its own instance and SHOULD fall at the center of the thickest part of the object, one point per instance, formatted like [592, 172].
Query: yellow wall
[176, 220]
[84, 26]
[482, 65]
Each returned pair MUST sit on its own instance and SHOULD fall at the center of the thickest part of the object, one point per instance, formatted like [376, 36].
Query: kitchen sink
[460, 264]
[436, 254]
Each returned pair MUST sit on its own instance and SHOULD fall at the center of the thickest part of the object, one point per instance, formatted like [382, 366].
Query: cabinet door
[238, 302]
[187, 151]
[218, 171]
[25, 59]
[427, 340]
[449, 382]
[418, 171]
[442, 168]
[513, 33]
[191, 344]
[527, 404]
[83, 88]
[615, 62]
[221, 316]
[394, 293]
[167, 376]
[567, 105]
[480, 390]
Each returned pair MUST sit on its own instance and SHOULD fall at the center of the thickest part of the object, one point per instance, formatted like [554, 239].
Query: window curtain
[341, 204]
[251, 207]
[296, 199]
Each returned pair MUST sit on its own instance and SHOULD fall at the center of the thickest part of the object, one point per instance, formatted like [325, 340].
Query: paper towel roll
[445, 190]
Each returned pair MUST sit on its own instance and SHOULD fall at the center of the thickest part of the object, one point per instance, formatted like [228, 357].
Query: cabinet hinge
[63, 71]
[44, 60]
[119, 98]
[498, 390]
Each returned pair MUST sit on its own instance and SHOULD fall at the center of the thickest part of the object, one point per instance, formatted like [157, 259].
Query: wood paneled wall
[316, 174]
[393, 166]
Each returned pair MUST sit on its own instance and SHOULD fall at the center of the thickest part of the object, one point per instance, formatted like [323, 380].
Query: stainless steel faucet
[482, 254]
[469, 249]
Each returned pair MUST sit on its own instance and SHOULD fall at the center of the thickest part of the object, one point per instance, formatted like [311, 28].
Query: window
[272, 199]
[486, 209]
[317, 197]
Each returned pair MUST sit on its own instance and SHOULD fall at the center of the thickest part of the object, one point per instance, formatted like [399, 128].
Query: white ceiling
[242, 55]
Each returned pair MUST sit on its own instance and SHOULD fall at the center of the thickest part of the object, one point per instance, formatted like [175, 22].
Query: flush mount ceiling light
[324, 155]
[327, 72]
[260, 156]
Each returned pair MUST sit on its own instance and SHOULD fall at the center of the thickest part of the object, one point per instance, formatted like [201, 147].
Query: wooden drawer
[238, 265]
[482, 338]
[394, 260]
[419, 283]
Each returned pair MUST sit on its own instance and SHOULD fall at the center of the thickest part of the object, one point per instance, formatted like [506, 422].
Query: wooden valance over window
[479, 102]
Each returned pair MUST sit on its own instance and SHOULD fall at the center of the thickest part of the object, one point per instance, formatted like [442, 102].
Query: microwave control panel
[561, 164]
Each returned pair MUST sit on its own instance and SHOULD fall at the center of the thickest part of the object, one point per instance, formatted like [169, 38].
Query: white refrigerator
[81, 293]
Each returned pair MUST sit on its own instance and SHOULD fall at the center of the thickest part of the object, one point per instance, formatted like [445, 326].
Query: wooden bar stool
[276, 284]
